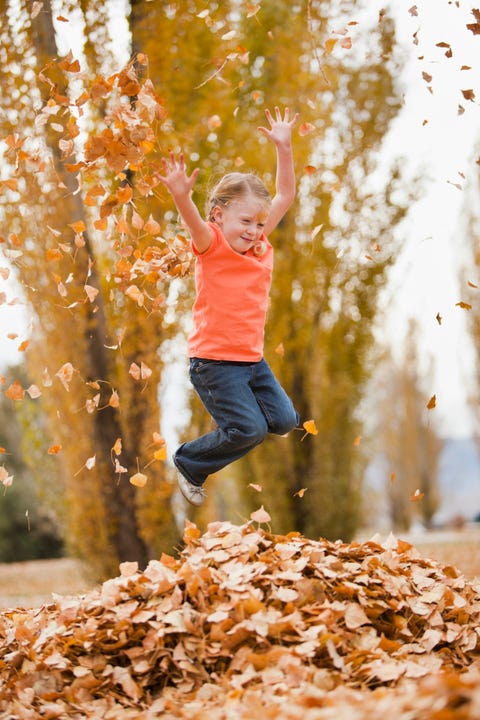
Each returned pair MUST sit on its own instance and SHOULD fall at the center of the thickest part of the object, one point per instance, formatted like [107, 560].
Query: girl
[233, 271]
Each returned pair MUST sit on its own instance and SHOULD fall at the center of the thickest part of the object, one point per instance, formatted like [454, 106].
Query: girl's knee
[253, 433]
[286, 424]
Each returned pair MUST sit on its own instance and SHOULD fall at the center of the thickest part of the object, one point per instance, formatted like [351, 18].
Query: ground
[31, 584]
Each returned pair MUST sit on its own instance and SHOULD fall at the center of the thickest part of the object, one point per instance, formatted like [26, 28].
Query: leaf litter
[245, 622]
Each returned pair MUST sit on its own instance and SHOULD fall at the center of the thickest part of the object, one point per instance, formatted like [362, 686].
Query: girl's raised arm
[180, 186]
[280, 133]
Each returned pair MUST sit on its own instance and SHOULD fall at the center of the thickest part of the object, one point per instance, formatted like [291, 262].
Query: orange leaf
[15, 391]
[114, 400]
[329, 45]
[301, 493]
[78, 227]
[432, 402]
[416, 496]
[305, 129]
[310, 427]
[53, 254]
[54, 449]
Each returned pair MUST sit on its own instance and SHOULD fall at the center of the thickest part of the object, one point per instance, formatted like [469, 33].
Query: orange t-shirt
[230, 309]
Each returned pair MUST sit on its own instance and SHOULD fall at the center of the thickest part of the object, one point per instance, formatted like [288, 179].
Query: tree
[406, 438]
[63, 265]
[30, 527]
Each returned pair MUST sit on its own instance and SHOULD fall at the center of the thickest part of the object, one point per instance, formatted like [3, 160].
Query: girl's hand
[175, 176]
[280, 132]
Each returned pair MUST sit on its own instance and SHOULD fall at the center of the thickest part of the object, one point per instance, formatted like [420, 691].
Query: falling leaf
[252, 9]
[33, 391]
[160, 454]
[5, 478]
[305, 129]
[310, 427]
[54, 449]
[413, 11]
[90, 462]
[139, 479]
[15, 391]
[258, 488]
[117, 448]
[280, 350]
[260, 515]
[135, 294]
[463, 305]
[114, 400]
[472, 285]
[329, 45]
[65, 375]
[357, 441]
[393, 476]
[301, 493]
[91, 292]
[432, 402]
[214, 122]
[468, 95]
[417, 496]
[438, 318]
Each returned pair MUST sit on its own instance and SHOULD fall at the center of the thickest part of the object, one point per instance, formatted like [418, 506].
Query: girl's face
[241, 221]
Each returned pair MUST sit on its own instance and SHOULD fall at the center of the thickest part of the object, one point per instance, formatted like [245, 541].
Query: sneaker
[195, 494]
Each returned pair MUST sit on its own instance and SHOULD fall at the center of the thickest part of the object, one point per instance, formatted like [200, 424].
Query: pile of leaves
[245, 622]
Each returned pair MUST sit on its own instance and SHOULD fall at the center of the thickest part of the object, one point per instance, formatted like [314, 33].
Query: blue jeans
[246, 401]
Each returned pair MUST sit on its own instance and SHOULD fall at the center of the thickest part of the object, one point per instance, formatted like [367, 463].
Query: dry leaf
[139, 479]
[260, 516]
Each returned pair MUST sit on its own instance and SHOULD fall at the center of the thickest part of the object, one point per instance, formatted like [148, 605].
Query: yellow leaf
[329, 45]
[117, 448]
[160, 454]
[432, 402]
[310, 427]
[139, 479]
[78, 227]
[280, 350]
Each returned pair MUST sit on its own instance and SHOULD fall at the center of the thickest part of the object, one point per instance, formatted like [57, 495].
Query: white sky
[425, 279]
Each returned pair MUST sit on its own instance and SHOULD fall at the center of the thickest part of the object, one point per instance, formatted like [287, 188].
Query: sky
[439, 145]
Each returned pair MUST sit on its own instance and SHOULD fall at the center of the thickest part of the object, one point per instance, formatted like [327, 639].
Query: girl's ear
[216, 214]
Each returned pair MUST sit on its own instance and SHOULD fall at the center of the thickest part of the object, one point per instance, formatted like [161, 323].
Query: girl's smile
[241, 221]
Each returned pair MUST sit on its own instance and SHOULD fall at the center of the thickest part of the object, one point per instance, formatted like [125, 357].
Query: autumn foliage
[247, 622]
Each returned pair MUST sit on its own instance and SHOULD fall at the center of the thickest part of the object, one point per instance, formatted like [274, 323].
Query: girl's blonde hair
[234, 186]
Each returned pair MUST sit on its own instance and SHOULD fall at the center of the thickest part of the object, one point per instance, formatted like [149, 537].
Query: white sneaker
[195, 494]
